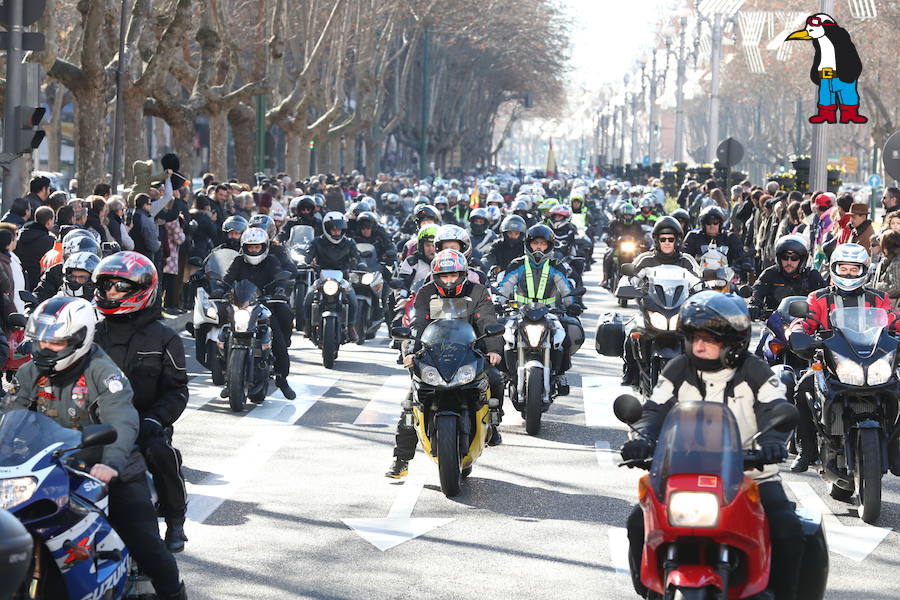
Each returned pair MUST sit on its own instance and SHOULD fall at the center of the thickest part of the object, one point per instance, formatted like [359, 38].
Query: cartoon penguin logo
[835, 69]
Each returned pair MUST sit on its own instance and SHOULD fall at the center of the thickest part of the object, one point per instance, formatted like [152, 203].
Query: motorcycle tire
[534, 400]
[362, 322]
[260, 396]
[329, 342]
[216, 371]
[466, 472]
[706, 593]
[299, 313]
[447, 431]
[868, 474]
[623, 302]
[237, 389]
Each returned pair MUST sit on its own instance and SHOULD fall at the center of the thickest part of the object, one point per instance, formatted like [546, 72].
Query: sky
[609, 35]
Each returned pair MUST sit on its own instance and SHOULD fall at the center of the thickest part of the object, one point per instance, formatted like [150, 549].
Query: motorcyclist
[417, 266]
[151, 355]
[522, 208]
[717, 367]
[647, 216]
[559, 218]
[393, 207]
[53, 278]
[302, 212]
[461, 210]
[449, 280]
[683, 218]
[698, 241]
[789, 276]
[279, 251]
[443, 207]
[535, 277]
[456, 238]
[257, 265]
[849, 270]
[422, 215]
[71, 380]
[479, 230]
[581, 216]
[511, 244]
[618, 228]
[368, 231]
[77, 272]
[333, 250]
[233, 227]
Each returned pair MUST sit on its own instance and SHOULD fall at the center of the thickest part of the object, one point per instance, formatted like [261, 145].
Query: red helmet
[445, 262]
[130, 272]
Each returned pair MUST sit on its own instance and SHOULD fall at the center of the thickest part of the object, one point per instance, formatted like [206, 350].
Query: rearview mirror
[401, 333]
[493, 329]
[745, 291]
[627, 270]
[628, 292]
[799, 309]
[628, 409]
[98, 435]
[802, 344]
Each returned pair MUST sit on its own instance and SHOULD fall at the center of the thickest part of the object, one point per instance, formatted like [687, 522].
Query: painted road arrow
[856, 542]
[398, 526]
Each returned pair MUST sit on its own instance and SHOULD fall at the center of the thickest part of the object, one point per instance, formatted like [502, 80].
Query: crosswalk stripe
[309, 388]
[384, 408]
[599, 392]
[618, 549]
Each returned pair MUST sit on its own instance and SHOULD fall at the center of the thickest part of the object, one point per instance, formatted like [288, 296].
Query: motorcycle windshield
[301, 235]
[448, 331]
[219, 261]
[668, 286]
[244, 293]
[449, 308]
[332, 274]
[699, 438]
[371, 262]
[24, 433]
[861, 327]
[783, 310]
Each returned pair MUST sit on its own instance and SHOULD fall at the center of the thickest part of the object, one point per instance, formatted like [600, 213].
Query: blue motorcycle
[77, 554]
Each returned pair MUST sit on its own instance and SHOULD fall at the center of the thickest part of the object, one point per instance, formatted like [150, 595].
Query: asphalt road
[273, 490]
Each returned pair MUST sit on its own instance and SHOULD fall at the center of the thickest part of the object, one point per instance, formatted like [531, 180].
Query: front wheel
[706, 593]
[299, 313]
[237, 373]
[214, 360]
[329, 342]
[623, 302]
[534, 400]
[868, 474]
[449, 471]
[362, 321]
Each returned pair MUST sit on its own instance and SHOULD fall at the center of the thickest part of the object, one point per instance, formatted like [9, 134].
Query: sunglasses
[119, 286]
[791, 257]
[817, 22]
[714, 223]
[666, 240]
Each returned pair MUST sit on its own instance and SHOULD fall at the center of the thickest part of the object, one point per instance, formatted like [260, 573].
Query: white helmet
[453, 232]
[334, 220]
[251, 237]
[853, 254]
[61, 319]
[80, 261]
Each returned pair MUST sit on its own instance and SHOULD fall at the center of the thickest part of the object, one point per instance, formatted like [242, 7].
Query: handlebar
[752, 460]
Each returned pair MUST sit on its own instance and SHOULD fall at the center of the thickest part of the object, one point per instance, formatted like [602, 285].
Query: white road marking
[398, 526]
[309, 388]
[618, 549]
[599, 392]
[855, 542]
[606, 457]
[384, 408]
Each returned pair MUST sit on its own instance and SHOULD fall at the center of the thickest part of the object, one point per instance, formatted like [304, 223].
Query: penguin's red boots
[827, 114]
[849, 114]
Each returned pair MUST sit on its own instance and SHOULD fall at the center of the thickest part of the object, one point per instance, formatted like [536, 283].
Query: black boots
[283, 385]
[175, 537]
[399, 469]
[496, 439]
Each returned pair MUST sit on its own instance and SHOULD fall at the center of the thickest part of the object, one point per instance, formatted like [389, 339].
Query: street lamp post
[657, 85]
[818, 167]
[713, 124]
[679, 92]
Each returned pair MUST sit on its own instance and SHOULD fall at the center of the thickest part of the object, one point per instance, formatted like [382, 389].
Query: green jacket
[98, 393]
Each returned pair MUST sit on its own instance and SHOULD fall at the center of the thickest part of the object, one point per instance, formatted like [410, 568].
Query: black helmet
[513, 223]
[668, 225]
[537, 232]
[710, 215]
[15, 553]
[426, 211]
[723, 316]
[307, 203]
[791, 244]
[682, 217]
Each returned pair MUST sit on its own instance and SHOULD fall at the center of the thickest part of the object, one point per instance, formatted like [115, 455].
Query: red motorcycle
[706, 534]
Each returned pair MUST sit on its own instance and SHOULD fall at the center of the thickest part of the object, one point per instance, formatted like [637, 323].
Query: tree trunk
[304, 171]
[135, 143]
[292, 146]
[54, 131]
[218, 143]
[183, 142]
[243, 127]
[93, 137]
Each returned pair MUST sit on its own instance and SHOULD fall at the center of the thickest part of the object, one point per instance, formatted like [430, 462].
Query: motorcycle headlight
[881, 370]
[331, 287]
[367, 278]
[465, 374]
[241, 320]
[693, 509]
[431, 376]
[674, 322]
[658, 321]
[210, 309]
[627, 247]
[15, 491]
[534, 333]
[848, 371]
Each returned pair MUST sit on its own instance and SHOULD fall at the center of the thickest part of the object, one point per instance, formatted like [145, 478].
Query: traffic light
[312, 144]
[28, 136]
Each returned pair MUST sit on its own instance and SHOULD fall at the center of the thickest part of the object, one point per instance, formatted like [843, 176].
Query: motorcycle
[706, 533]
[329, 314]
[452, 407]
[298, 242]
[44, 484]
[247, 342]
[208, 320]
[855, 403]
[655, 338]
[624, 252]
[531, 332]
[368, 283]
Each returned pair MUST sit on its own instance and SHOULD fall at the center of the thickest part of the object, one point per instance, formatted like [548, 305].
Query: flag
[551, 161]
